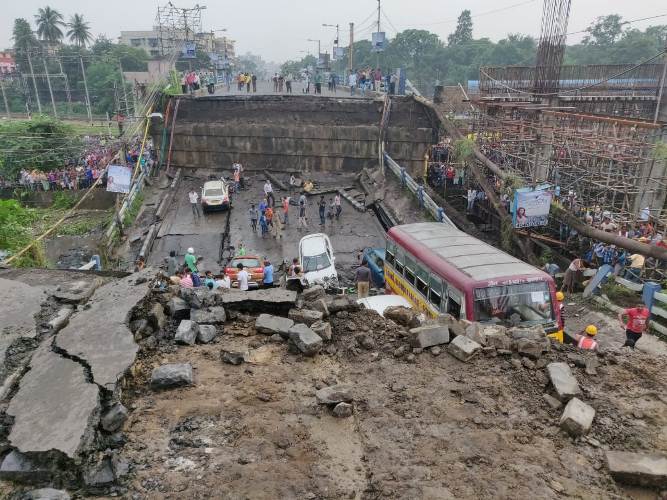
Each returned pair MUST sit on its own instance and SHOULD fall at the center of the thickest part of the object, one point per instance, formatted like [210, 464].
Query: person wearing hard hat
[586, 339]
[191, 260]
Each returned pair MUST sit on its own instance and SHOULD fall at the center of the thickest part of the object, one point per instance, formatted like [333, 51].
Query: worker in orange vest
[587, 341]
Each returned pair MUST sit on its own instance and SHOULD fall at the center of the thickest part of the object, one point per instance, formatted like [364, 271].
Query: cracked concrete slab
[99, 335]
[55, 408]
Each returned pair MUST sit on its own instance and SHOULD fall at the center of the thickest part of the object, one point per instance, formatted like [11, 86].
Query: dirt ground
[432, 428]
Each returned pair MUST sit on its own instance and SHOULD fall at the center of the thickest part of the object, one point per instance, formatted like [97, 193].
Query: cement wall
[295, 133]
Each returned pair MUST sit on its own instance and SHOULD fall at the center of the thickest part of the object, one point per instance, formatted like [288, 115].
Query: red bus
[440, 269]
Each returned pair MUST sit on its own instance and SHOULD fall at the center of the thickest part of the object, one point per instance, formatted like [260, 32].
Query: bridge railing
[424, 200]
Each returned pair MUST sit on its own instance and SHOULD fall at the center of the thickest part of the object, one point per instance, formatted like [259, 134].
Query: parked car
[215, 196]
[375, 259]
[316, 257]
[252, 264]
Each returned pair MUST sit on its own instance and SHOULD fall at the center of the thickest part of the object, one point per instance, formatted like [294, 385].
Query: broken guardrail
[424, 200]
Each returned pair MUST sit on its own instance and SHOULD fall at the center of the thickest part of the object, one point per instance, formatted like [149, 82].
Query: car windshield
[246, 263]
[527, 303]
[315, 262]
[213, 192]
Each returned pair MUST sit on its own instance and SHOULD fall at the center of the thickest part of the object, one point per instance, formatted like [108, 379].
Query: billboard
[379, 42]
[119, 178]
[531, 207]
[323, 61]
[339, 52]
[189, 50]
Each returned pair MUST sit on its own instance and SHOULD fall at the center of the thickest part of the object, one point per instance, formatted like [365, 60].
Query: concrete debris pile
[68, 412]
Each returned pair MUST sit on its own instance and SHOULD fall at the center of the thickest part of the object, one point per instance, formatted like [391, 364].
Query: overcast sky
[277, 30]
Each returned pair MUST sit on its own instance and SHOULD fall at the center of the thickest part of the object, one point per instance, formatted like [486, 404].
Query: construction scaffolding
[598, 161]
[176, 26]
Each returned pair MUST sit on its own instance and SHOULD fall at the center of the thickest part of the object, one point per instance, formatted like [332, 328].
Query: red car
[252, 264]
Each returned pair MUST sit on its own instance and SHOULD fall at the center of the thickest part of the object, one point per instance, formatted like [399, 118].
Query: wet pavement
[181, 229]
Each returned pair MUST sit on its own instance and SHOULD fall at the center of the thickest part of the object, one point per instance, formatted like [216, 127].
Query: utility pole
[4, 98]
[661, 88]
[85, 86]
[122, 82]
[48, 81]
[34, 82]
[377, 54]
[351, 54]
[67, 89]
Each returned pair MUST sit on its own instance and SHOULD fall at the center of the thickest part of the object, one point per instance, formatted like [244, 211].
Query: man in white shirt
[352, 82]
[337, 205]
[242, 277]
[268, 191]
[194, 197]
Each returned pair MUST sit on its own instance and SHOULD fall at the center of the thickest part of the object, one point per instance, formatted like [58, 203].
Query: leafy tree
[463, 32]
[604, 31]
[24, 40]
[295, 67]
[79, 31]
[49, 21]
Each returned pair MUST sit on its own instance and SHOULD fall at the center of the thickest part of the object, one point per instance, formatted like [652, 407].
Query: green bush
[15, 234]
[63, 200]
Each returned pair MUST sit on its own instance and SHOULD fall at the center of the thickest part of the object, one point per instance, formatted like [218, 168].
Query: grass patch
[619, 295]
[63, 200]
[133, 210]
[83, 226]
[16, 233]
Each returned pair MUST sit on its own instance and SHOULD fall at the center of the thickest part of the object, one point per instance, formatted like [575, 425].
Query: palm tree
[48, 23]
[79, 31]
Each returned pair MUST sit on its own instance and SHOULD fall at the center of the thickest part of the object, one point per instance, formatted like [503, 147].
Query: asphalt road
[181, 228]
[298, 88]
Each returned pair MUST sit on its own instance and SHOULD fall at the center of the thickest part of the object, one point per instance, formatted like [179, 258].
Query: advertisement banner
[119, 178]
[189, 50]
[379, 42]
[339, 52]
[531, 208]
[323, 61]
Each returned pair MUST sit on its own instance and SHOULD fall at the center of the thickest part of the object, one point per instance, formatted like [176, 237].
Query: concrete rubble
[305, 316]
[172, 375]
[334, 394]
[404, 316]
[563, 382]
[177, 308]
[114, 418]
[273, 300]
[269, 325]
[322, 329]
[305, 339]
[577, 417]
[187, 332]
[207, 333]
[342, 410]
[463, 348]
[638, 468]
[424, 337]
[47, 494]
[214, 315]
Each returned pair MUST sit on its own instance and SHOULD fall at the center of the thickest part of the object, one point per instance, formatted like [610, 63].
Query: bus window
[435, 292]
[390, 253]
[399, 261]
[409, 270]
[454, 306]
[527, 302]
[422, 280]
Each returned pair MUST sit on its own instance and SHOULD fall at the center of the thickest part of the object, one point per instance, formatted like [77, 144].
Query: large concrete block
[463, 348]
[640, 469]
[171, 375]
[178, 308]
[211, 315]
[270, 325]
[306, 340]
[305, 316]
[564, 383]
[206, 333]
[187, 332]
[577, 417]
[429, 336]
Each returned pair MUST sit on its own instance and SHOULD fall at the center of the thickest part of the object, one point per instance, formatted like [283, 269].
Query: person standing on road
[268, 191]
[172, 264]
[286, 209]
[288, 83]
[191, 260]
[253, 216]
[254, 83]
[194, 198]
[352, 82]
[318, 83]
[263, 224]
[277, 226]
[363, 279]
[237, 180]
[637, 323]
[242, 277]
[322, 206]
[338, 205]
[302, 215]
[268, 274]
